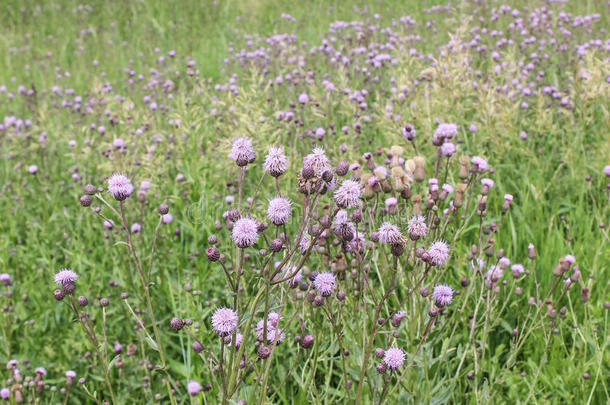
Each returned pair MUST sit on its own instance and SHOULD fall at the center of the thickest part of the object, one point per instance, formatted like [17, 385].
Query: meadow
[326, 202]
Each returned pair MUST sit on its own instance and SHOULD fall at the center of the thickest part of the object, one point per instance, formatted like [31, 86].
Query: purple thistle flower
[224, 321]
[448, 149]
[242, 151]
[494, 273]
[325, 283]
[446, 130]
[317, 160]
[394, 358]
[119, 186]
[479, 163]
[348, 195]
[275, 162]
[193, 387]
[65, 277]
[389, 233]
[442, 295]
[135, 227]
[278, 211]
[607, 170]
[244, 232]
[167, 218]
[5, 393]
[417, 227]
[274, 333]
[70, 374]
[439, 253]
[32, 169]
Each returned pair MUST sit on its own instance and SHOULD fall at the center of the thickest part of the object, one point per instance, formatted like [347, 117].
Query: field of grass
[160, 90]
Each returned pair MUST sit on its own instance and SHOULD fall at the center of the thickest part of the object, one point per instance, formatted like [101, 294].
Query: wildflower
[325, 283]
[5, 393]
[242, 151]
[279, 210]
[176, 323]
[479, 163]
[224, 321]
[135, 227]
[65, 277]
[439, 253]
[167, 218]
[390, 234]
[244, 232]
[417, 227]
[5, 279]
[348, 195]
[317, 160]
[448, 149]
[119, 186]
[442, 295]
[446, 130]
[394, 358]
[274, 333]
[607, 170]
[32, 169]
[275, 162]
[193, 387]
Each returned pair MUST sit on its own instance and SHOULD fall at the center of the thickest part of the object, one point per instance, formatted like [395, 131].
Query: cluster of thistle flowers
[31, 388]
[392, 203]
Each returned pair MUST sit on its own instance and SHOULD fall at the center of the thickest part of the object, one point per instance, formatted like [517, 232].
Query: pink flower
[224, 321]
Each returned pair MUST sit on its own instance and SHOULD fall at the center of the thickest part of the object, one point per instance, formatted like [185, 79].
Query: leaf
[111, 364]
[152, 343]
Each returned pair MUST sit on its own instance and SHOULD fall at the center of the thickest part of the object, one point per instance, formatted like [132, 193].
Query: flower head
[348, 194]
[119, 186]
[448, 149]
[244, 232]
[417, 227]
[242, 151]
[275, 162]
[274, 333]
[317, 160]
[278, 211]
[446, 130]
[479, 163]
[193, 387]
[442, 295]
[389, 233]
[325, 283]
[224, 321]
[439, 253]
[65, 277]
[394, 358]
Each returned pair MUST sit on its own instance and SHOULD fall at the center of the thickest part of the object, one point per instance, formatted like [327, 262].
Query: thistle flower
[325, 283]
[446, 130]
[65, 277]
[607, 170]
[439, 253]
[479, 163]
[448, 149]
[348, 195]
[317, 160]
[417, 227]
[244, 232]
[242, 151]
[442, 295]
[274, 333]
[390, 234]
[193, 388]
[394, 358]
[224, 321]
[275, 162]
[278, 211]
[5, 279]
[5, 393]
[119, 186]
